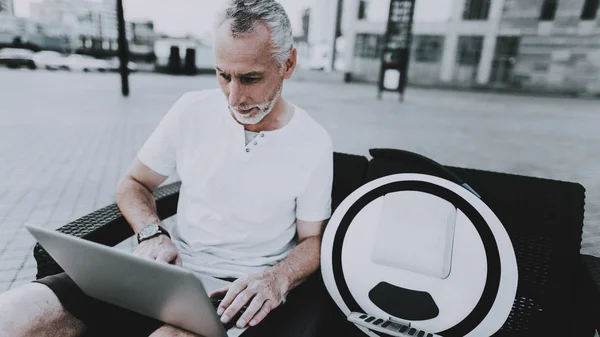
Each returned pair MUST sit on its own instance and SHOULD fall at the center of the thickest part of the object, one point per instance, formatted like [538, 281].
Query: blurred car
[17, 58]
[50, 60]
[114, 64]
[86, 63]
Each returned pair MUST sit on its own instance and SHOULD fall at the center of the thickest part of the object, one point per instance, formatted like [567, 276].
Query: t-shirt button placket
[254, 142]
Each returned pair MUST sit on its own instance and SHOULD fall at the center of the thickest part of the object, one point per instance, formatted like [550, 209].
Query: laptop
[165, 292]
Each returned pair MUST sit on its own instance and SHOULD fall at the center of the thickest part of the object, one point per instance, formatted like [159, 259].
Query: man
[256, 176]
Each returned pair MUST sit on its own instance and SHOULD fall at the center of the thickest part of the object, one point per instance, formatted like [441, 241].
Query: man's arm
[268, 289]
[134, 195]
[304, 259]
[137, 204]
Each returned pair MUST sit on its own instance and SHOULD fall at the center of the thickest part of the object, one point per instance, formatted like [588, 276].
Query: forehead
[243, 53]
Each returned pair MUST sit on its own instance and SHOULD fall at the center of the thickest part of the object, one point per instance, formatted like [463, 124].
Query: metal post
[338, 22]
[123, 50]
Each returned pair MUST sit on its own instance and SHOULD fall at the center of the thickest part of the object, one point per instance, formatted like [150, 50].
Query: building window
[362, 9]
[359, 44]
[368, 46]
[469, 50]
[507, 46]
[428, 48]
[548, 10]
[476, 10]
[541, 66]
[590, 8]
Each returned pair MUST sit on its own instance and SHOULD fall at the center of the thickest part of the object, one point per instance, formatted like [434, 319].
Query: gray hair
[245, 14]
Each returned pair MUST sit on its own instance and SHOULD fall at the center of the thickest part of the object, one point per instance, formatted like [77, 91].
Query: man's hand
[265, 291]
[159, 248]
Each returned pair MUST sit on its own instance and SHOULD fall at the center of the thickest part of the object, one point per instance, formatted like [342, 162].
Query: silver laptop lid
[165, 292]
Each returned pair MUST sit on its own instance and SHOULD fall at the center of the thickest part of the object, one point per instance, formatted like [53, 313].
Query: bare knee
[34, 310]
[171, 331]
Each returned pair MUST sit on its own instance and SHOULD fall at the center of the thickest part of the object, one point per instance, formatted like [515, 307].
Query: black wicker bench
[558, 291]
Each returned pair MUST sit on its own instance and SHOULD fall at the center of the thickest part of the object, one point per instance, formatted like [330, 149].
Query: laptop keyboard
[216, 301]
[389, 328]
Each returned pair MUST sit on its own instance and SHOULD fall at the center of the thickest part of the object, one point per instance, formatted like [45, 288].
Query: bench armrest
[591, 265]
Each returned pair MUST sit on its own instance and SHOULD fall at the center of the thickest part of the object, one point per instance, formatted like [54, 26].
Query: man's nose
[236, 94]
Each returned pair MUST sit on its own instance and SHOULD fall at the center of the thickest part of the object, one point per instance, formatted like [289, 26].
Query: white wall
[321, 21]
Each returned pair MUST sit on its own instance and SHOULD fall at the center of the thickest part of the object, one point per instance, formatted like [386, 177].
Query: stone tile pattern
[65, 139]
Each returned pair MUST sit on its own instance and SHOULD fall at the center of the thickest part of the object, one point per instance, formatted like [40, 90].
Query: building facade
[8, 22]
[33, 34]
[76, 26]
[92, 25]
[6, 7]
[549, 45]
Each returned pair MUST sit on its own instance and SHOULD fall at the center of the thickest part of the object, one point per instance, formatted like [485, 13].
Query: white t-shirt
[238, 203]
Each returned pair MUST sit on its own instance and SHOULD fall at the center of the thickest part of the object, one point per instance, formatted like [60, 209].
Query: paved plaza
[65, 139]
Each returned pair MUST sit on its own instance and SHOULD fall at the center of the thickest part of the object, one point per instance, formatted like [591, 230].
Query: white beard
[254, 118]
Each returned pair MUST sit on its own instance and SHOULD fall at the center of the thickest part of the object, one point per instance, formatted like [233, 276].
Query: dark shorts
[299, 316]
[101, 318]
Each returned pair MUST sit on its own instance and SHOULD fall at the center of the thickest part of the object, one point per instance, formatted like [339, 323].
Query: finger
[218, 293]
[252, 309]
[174, 256]
[234, 289]
[145, 254]
[262, 313]
[237, 304]
[178, 261]
[165, 256]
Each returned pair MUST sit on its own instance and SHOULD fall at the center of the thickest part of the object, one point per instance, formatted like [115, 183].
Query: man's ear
[290, 63]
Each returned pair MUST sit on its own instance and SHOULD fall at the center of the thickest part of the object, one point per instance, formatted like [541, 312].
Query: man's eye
[249, 80]
[226, 77]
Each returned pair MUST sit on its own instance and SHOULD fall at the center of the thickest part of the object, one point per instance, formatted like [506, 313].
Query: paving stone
[4, 286]
[26, 273]
[21, 282]
[8, 275]
[13, 264]
[20, 253]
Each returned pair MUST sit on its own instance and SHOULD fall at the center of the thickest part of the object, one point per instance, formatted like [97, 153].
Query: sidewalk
[66, 138]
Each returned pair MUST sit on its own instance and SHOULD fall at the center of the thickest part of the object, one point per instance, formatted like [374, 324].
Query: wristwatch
[150, 231]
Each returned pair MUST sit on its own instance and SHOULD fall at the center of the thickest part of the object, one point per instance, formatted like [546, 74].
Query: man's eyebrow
[250, 74]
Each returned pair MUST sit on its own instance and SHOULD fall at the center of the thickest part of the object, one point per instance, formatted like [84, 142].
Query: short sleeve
[159, 152]
[314, 204]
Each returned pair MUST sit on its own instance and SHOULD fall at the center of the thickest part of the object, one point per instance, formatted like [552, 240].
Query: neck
[276, 119]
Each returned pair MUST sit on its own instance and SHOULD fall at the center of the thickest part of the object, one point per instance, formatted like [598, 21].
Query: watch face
[148, 230]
